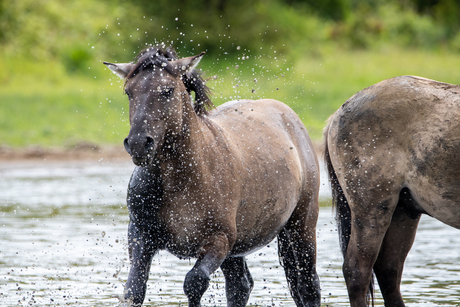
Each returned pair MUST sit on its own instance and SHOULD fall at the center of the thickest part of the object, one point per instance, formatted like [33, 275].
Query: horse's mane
[161, 56]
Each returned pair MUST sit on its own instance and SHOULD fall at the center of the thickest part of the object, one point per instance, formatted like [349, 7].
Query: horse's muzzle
[140, 148]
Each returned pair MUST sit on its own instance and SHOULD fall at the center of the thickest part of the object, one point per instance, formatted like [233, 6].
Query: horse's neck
[191, 152]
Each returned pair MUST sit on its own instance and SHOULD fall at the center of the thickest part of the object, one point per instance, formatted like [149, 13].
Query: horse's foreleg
[238, 281]
[396, 245]
[141, 253]
[212, 254]
[297, 249]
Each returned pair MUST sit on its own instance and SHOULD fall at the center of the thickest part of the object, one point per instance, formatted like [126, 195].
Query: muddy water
[63, 243]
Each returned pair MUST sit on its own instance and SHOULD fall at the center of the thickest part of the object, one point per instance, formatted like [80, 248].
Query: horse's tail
[340, 204]
[339, 201]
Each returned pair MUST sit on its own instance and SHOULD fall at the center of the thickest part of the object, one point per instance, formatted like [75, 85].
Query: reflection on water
[63, 242]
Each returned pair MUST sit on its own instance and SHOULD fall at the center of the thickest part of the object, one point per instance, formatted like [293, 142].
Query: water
[63, 243]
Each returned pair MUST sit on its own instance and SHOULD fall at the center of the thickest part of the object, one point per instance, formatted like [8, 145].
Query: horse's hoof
[122, 302]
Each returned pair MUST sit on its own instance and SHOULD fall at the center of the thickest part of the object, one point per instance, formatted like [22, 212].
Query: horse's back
[266, 122]
[401, 132]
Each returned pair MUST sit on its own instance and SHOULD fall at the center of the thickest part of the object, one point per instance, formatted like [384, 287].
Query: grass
[40, 104]
[316, 86]
[61, 116]
[50, 108]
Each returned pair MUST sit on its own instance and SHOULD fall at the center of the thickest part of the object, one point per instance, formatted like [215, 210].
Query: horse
[215, 183]
[391, 152]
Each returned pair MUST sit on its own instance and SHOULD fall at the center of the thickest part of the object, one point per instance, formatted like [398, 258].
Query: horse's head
[158, 86]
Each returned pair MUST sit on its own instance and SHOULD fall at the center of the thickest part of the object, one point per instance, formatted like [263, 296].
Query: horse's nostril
[126, 143]
[149, 143]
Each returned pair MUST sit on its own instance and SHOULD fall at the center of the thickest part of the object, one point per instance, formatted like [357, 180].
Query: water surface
[63, 243]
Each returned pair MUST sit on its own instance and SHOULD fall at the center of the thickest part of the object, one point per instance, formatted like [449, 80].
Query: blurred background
[313, 55]
[64, 222]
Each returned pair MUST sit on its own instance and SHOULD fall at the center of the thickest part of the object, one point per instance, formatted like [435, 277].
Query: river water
[63, 243]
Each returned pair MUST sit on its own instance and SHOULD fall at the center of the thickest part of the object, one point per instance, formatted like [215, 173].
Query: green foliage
[310, 54]
[78, 32]
[71, 31]
[76, 58]
[331, 9]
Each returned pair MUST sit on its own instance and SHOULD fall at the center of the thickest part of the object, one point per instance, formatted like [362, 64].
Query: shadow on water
[63, 242]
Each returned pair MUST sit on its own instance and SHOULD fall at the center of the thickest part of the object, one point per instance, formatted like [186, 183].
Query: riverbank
[81, 151]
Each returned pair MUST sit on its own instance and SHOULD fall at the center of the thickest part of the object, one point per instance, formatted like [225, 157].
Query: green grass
[316, 86]
[40, 104]
[62, 115]
[333, 78]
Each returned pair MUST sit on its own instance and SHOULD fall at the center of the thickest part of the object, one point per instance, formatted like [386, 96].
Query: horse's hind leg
[370, 218]
[396, 244]
[297, 250]
[238, 281]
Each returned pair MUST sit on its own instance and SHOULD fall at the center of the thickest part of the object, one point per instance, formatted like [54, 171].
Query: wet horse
[392, 151]
[216, 184]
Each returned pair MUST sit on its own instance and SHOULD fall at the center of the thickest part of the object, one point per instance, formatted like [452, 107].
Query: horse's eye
[167, 92]
[128, 94]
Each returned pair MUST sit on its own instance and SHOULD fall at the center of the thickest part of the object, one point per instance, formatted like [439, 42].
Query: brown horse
[215, 185]
[392, 154]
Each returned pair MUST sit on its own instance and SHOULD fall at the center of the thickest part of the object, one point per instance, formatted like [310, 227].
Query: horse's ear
[187, 64]
[120, 69]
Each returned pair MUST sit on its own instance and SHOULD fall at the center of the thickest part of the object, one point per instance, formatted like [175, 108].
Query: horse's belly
[440, 202]
[184, 239]
[256, 231]
[434, 178]
[246, 245]
[251, 237]
[182, 250]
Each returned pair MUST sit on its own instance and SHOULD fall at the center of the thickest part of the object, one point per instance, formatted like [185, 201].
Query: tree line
[78, 32]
